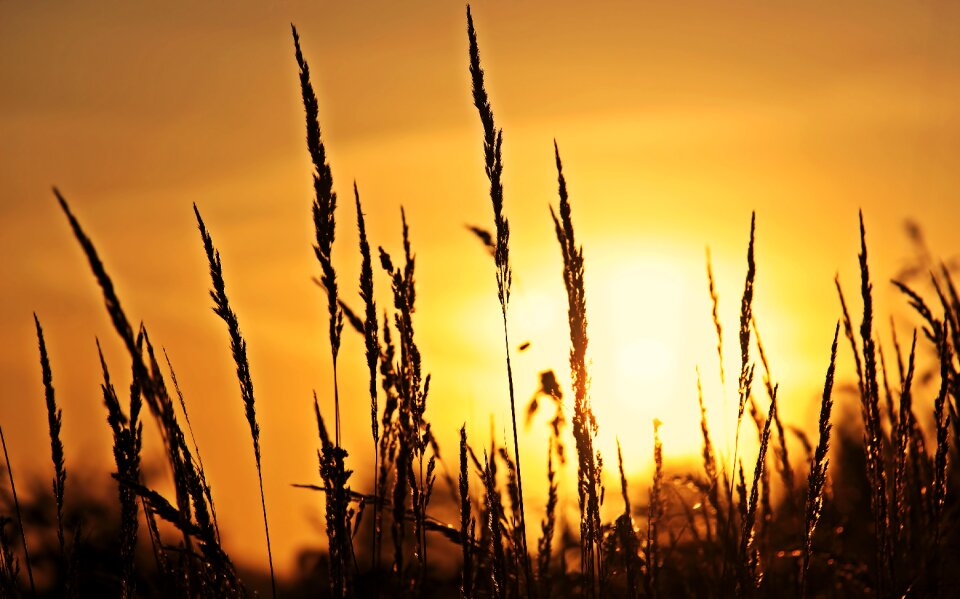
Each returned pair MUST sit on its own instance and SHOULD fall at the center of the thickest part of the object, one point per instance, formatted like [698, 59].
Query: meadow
[864, 508]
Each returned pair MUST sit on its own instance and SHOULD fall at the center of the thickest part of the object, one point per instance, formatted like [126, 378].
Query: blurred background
[674, 123]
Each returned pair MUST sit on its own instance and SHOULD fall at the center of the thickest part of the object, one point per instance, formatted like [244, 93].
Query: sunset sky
[674, 121]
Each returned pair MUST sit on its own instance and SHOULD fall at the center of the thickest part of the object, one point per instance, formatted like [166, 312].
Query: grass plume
[654, 516]
[127, 443]
[873, 435]
[493, 165]
[715, 303]
[746, 316]
[584, 423]
[324, 223]
[54, 422]
[748, 561]
[372, 347]
[818, 468]
[238, 346]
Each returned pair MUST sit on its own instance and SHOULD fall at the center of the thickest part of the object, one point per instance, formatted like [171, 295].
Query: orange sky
[673, 122]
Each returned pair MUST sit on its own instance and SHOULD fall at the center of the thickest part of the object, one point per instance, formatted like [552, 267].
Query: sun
[644, 352]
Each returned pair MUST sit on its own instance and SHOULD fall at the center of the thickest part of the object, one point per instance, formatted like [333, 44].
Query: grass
[876, 517]
[238, 346]
[493, 165]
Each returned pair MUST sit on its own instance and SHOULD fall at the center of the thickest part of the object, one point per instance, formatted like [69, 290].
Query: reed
[748, 561]
[372, 346]
[584, 422]
[512, 524]
[16, 505]
[335, 477]
[873, 435]
[467, 521]
[149, 383]
[710, 469]
[746, 316]
[902, 448]
[412, 428]
[655, 514]
[851, 337]
[887, 396]
[940, 457]
[324, 207]
[817, 479]
[954, 394]
[547, 529]
[493, 164]
[196, 448]
[212, 569]
[498, 564]
[127, 443]
[54, 422]
[238, 346]
[715, 313]
[390, 439]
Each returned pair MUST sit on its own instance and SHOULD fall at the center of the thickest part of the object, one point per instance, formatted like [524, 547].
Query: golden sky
[674, 122]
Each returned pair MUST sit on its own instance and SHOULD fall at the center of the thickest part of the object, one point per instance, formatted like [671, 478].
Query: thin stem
[16, 503]
[266, 528]
[336, 402]
[516, 453]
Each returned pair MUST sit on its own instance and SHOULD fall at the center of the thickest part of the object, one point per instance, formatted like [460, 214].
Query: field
[831, 507]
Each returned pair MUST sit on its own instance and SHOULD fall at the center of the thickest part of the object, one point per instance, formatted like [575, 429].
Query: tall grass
[238, 346]
[467, 521]
[372, 346]
[732, 529]
[16, 504]
[745, 381]
[211, 571]
[127, 443]
[818, 469]
[54, 423]
[715, 303]
[324, 208]
[873, 435]
[654, 516]
[584, 422]
[493, 165]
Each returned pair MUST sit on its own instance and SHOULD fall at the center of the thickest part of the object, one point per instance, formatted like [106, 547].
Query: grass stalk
[238, 346]
[466, 585]
[746, 316]
[547, 528]
[818, 469]
[873, 435]
[54, 422]
[584, 422]
[372, 345]
[715, 313]
[324, 207]
[493, 163]
[127, 442]
[654, 516]
[16, 504]
[748, 562]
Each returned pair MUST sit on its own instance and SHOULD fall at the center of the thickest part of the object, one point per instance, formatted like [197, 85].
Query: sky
[674, 122]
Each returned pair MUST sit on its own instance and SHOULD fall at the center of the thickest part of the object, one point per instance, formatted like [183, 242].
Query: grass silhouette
[877, 515]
